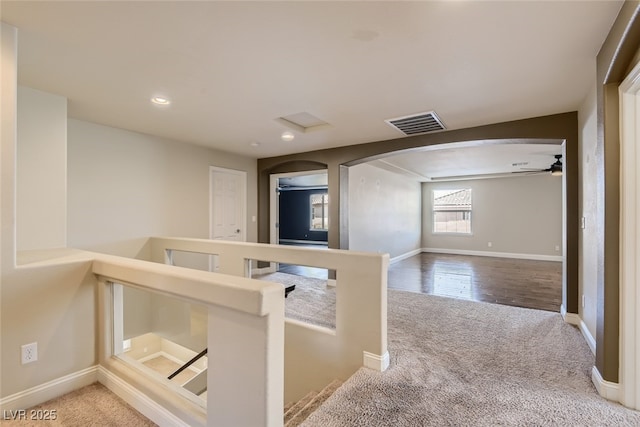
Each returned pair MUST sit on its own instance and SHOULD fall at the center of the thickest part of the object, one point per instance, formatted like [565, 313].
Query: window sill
[451, 234]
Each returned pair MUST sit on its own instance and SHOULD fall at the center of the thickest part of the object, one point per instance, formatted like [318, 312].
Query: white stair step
[198, 384]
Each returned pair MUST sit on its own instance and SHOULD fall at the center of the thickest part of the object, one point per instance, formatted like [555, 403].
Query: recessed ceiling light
[160, 100]
[287, 136]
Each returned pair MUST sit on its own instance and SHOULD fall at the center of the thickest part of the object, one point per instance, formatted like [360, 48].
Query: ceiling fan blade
[484, 175]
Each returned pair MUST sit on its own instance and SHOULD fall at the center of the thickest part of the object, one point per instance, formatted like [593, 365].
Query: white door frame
[629, 371]
[243, 194]
[274, 234]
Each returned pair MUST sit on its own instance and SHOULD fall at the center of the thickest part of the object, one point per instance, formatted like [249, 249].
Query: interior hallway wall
[41, 197]
[53, 306]
[116, 188]
[125, 186]
[384, 211]
[588, 238]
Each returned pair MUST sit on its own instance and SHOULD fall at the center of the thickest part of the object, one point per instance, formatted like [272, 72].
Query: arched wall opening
[562, 127]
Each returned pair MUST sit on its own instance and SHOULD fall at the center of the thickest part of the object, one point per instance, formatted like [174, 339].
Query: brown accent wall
[614, 60]
[557, 126]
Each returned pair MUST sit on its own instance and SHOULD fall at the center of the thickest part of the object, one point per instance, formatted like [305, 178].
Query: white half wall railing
[245, 383]
[314, 355]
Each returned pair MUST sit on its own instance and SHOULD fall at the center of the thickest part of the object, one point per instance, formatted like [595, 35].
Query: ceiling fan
[555, 168]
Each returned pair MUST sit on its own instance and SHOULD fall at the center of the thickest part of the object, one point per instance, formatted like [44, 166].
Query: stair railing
[314, 354]
[245, 317]
[186, 365]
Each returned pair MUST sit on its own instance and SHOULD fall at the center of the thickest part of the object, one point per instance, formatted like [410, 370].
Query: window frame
[463, 211]
[325, 211]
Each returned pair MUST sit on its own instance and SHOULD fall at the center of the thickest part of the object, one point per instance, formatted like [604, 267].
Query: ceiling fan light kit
[556, 168]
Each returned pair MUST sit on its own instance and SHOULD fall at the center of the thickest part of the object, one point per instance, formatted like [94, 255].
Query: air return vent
[417, 123]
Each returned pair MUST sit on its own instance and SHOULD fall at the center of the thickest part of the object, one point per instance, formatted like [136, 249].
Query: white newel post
[365, 328]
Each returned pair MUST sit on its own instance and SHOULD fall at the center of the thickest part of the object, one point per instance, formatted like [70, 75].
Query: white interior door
[227, 206]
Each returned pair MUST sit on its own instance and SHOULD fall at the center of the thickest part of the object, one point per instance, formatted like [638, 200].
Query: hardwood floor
[516, 282]
[301, 270]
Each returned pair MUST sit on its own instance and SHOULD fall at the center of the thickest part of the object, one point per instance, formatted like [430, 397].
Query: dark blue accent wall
[295, 216]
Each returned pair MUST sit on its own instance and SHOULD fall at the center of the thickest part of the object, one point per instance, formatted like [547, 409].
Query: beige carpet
[453, 363]
[464, 363]
[312, 301]
[93, 405]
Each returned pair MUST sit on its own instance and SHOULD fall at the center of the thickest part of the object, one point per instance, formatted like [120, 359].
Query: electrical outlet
[29, 353]
[489, 244]
[557, 247]
[583, 301]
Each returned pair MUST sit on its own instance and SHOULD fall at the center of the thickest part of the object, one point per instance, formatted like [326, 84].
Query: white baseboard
[606, 389]
[571, 318]
[405, 255]
[140, 401]
[164, 354]
[376, 362]
[49, 390]
[575, 319]
[587, 336]
[150, 357]
[534, 257]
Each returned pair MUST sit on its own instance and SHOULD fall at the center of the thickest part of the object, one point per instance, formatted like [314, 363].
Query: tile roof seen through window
[460, 199]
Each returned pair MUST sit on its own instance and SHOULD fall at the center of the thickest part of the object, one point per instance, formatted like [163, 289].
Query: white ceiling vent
[417, 123]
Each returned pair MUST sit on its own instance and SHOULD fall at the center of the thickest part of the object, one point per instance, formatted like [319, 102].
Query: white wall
[100, 189]
[588, 239]
[520, 215]
[41, 170]
[53, 306]
[125, 186]
[384, 211]
[8, 112]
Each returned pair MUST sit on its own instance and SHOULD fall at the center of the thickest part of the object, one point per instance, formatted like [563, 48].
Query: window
[319, 211]
[452, 211]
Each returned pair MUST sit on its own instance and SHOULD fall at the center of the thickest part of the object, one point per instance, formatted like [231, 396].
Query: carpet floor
[312, 301]
[93, 405]
[453, 363]
[463, 363]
